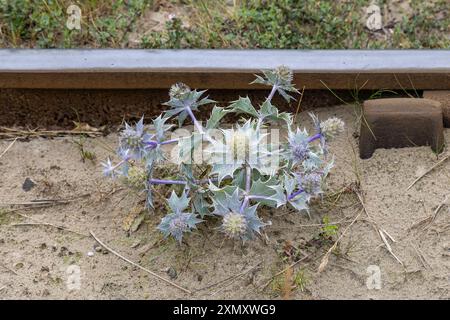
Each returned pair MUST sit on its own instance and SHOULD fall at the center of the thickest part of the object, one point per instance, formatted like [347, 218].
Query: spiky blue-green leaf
[161, 127]
[244, 105]
[269, 192]
[217, 114]
[178, 203]
[268, 112]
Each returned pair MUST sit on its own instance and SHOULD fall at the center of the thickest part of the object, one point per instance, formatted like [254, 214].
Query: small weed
[300, 280]
[288, 282]
[7, 218]
[329, 230]
[84, 153]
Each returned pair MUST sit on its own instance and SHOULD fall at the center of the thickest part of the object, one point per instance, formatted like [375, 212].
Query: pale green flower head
[243, 145]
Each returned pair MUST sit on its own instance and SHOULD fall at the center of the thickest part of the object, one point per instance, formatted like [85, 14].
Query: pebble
[172, 273]
[90, 254]
[28, 184]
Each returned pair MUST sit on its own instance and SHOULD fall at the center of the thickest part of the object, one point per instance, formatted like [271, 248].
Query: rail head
[221, 69]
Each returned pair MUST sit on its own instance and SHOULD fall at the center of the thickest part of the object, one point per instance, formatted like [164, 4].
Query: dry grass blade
[17, 133]
[137, 265]
[428, 171]
[390, 237]
[44, 202]
[231, 279]
[388, 246]
[421, 256]
[46, 224]
[9, 269]
[431, 217]
[40, 223]
[7, 148]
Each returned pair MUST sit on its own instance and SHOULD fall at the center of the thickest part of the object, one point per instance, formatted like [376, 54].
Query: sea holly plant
[238, 171]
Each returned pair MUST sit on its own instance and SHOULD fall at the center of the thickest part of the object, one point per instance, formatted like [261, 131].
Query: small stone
[172, 273]
[45, 293]
[374, 21]
[28, 184]
[18, 266]
[98, 248]
[45, 269]
[90, 254]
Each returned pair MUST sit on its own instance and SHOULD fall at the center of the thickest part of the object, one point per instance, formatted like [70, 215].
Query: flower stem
[169, 141]
[272, 93]
[293, 195]
[194, 120]
[159, 181]
[198, 125]
[163, 181]
[314, 137]
[248, 180]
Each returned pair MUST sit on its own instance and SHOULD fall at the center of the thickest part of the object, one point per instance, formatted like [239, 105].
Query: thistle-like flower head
[299, 149]
[331, 128]
[279, 78]
[178, 90]
[311, 182]
[183, 101]
[240, 145]
[135, 140]
[234, 224]
[178, 222]
[284, 75]
[238, 223]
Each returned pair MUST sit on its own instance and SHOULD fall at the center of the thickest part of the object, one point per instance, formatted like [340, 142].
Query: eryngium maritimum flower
[134, 139]
[284, 75]
[237, 223]
[331, 127]
[178, 90]
[299, 149]
[241, 145]
[311, 183]
[175, 224]
[234, 224]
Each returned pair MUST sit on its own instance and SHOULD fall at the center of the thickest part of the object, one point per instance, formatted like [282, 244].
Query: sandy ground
[38, 261]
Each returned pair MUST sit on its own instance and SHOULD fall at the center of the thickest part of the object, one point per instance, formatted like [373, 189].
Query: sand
[41, 261]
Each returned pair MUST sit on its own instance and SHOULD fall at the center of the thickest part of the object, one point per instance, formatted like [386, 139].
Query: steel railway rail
[222, 69]
[54, 87]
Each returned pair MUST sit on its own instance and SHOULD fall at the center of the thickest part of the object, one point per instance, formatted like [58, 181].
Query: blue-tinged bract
[237, 223]
[239, 171]
[177, 222]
